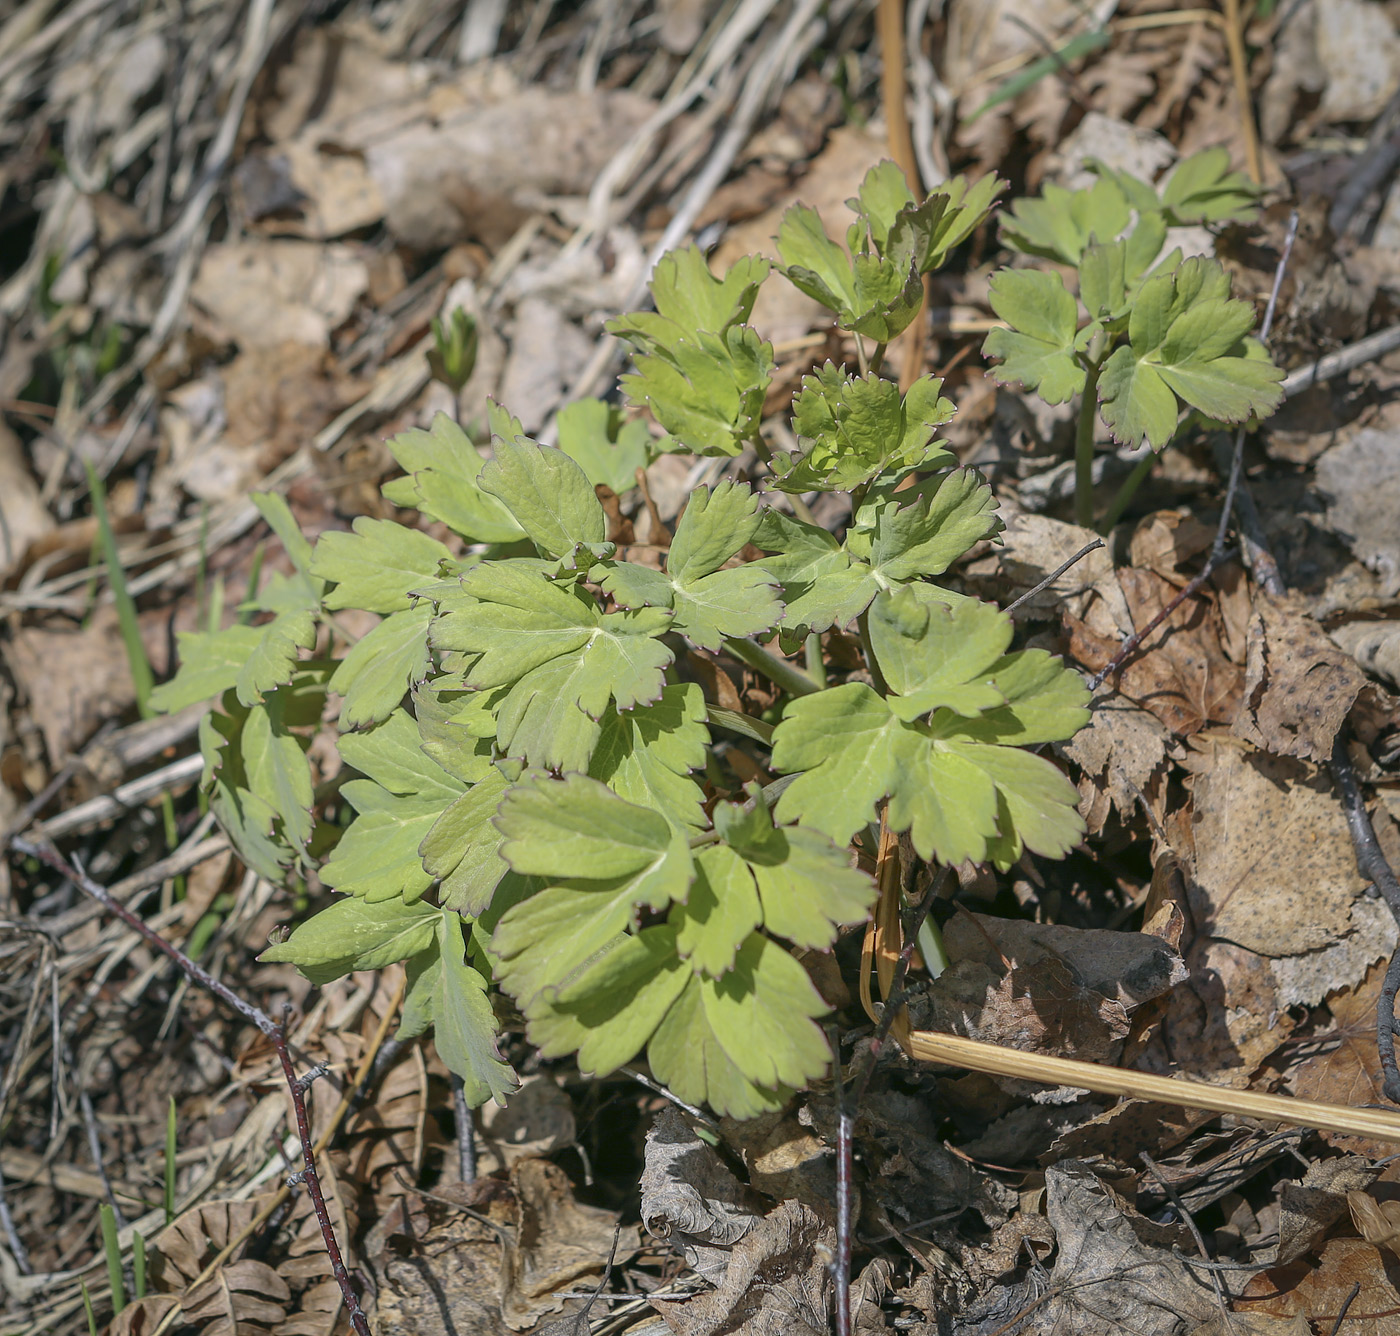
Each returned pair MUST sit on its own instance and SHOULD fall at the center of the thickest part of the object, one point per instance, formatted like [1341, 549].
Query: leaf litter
[289, 340]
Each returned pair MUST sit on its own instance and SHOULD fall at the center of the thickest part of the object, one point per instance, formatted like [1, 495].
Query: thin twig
[296, 1085]
[848, 1102]
[1133, 641]
[1054, 575]
[1374, 866]
[1346, 1305]
[1289, 237]
[16, 1244]
[1175, 1198]
[1379, 158]
[1346, 359]
[466, 1131]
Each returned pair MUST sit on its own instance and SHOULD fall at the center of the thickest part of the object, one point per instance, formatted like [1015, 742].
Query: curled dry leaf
[777, 1281]
[1374, 645]
[1377, 1222]
[1114, 1271]
[1298, 686]
[690, 1198]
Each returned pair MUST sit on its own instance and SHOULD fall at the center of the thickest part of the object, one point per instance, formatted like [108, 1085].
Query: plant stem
[812, 651]
[1084, 449]
[780, 672]
[1127, 491]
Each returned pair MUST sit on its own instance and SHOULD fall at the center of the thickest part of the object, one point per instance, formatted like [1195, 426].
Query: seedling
[528, 733]
[1146, 337]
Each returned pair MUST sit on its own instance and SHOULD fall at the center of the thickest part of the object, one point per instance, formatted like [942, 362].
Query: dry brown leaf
[1348, 1070]
[777, 1281]
[1113, 1271]
[264, 293]
[1255, 1324]
[239, 1299]
[1377, 1222]
[318, 1314]
[1067, 991]
[1123, 753]
[558, 1242]
[73, 680]
[784, 1157]
[23, 515]
[1274, 868]
[1180, 672]
[1166, 540]
[1307, 1210]
[538, 1120]
[1298, 687]
[1226, 1021]
[1317, 1290]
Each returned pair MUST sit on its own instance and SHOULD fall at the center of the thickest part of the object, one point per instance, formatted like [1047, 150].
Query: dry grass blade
[954, 1051]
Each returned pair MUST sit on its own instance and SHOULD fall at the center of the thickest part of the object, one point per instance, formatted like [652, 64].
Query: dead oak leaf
[1180, 672]
[1316, 1290]
[1298, 686]
[1348, 1071]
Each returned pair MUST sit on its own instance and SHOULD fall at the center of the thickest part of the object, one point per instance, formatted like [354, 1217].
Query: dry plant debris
[227, 232]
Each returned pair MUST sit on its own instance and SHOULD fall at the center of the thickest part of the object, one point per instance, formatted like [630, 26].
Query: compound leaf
[548, 494]
[464, 1025]
[611, 1007]
[935, 655]
[647, 754]
[720, 912]
[462, 850]
[382, 665]
[1037, 352]
[376, 566]
[685, 1054]
[857, 427]
[608, 449]
[210, 663]
[443, 467]
[354, 935]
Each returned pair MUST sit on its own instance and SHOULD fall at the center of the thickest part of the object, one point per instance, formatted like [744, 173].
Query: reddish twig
[1126, 649]
[1054, 575]
[296, 1085]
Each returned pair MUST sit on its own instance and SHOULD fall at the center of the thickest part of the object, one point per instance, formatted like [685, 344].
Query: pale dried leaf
[1374, 645]
[1360, 480]
[1377, 1222]
[1298, 687]
[1274, 865]
[777, 1281]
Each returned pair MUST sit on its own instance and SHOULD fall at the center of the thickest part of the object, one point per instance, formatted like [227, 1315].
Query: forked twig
[275, 1034]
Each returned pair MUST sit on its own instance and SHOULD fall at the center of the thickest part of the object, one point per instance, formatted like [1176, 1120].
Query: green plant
[540, 798]
[1145, 336]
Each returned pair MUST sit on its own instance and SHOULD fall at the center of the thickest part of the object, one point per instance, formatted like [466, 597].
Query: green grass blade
[112, 1249]
[141, 674]
[138, 1267]
[87, 1308]
[170, 1161]
[1082, 45]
